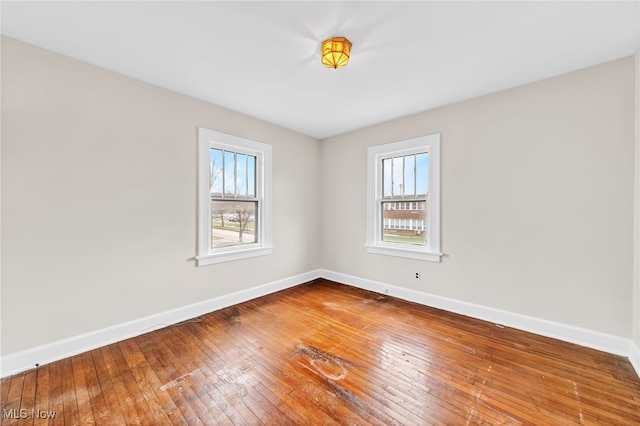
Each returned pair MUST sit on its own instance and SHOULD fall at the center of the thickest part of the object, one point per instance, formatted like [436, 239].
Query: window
[403, 212]
[234, 182]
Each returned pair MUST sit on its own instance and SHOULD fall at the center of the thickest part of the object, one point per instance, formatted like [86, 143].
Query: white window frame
[432, 250]
[207, 255]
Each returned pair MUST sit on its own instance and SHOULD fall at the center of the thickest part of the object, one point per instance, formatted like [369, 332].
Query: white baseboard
[583, 337]
[24, 360]
[634, 357]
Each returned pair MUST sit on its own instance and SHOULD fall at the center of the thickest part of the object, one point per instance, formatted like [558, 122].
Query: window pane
[386, 177]
[404, 226]
[234, 172]
[409, 175]
[251, 176]
[215, 172]
[422, 174]
[241, 175]
[233, 223]
[229, 174]
[398, 175]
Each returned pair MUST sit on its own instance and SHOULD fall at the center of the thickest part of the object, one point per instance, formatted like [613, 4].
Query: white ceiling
[262, 58]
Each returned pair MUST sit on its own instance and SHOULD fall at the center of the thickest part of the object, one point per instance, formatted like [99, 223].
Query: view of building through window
[405, 183]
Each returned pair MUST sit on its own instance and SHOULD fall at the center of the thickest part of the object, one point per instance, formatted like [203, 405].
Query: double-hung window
[403, 214]
[234, 177]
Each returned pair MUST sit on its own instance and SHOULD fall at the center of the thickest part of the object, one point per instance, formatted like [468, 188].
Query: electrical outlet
[418, 276]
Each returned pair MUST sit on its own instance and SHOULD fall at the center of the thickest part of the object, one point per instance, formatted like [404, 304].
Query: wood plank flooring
[322, 354]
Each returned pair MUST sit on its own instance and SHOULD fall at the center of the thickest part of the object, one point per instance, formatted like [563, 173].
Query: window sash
[413, 218]
[229, 174]
[403, 175]
[233, 173]
[236, 225]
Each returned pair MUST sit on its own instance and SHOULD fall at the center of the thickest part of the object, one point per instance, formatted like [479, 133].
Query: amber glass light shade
[336, 52]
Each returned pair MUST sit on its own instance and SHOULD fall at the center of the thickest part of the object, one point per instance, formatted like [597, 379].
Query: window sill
[231, 255]
[405, 252]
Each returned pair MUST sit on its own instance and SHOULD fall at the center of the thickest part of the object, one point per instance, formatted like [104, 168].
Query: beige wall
[537, 200]
[99, 199]
[636, 253]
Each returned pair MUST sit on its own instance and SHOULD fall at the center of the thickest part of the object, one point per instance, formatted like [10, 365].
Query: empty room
[318, 213]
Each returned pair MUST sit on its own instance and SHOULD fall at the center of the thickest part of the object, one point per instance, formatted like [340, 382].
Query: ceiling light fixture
[335, 52]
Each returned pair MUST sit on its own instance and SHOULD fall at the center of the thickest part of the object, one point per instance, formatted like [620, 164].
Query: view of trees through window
[405, 183]
[234, 206]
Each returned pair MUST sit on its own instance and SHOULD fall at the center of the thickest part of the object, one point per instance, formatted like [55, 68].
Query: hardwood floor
[323, 353]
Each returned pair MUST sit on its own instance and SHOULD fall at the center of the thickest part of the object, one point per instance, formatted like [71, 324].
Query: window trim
[432, 250]
[206, 255]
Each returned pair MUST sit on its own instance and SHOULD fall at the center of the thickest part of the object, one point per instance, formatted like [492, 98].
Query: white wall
[99, 199]
[537, 200]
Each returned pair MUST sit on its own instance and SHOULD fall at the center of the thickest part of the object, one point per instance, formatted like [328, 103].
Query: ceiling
[262, 58]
